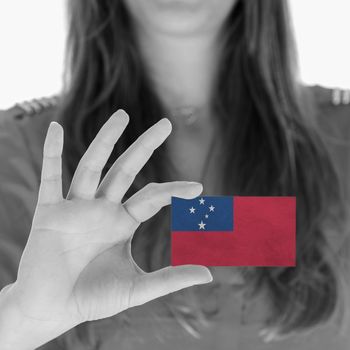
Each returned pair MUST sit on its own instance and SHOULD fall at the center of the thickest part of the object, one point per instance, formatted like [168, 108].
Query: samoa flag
[233, 231]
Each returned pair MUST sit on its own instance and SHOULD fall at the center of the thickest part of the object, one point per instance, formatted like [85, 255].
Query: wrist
[18, 330]
[12, 329]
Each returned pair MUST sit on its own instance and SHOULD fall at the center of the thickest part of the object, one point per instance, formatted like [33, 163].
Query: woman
[223, 73]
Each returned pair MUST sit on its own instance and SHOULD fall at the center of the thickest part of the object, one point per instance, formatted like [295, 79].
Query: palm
[90, 256]
[105, 286]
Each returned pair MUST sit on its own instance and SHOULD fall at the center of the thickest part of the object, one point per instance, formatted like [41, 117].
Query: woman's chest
[148, 329]
[199, 158]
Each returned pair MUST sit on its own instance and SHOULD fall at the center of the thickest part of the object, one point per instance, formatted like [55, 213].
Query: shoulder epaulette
[35, 106]
[332, 96]
[340, 96]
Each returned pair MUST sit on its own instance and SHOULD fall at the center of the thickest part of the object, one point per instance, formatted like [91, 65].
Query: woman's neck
[182, 69]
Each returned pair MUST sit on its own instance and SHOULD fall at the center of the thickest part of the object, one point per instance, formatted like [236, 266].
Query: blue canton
[205, 213]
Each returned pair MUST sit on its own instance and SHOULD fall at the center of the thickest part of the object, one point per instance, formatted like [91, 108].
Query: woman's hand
[77, 264]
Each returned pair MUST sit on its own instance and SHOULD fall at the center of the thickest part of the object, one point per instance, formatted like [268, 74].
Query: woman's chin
[187, 5]
[181, 21]
[180, 17]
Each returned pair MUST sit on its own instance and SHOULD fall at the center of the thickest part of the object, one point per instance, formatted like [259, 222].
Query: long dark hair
[272, 146]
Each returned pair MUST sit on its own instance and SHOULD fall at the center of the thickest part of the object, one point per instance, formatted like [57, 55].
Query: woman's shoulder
[23, 126]
[332, 110]
[332, 107]
[331, 97]
[35, 112]
[22, 133]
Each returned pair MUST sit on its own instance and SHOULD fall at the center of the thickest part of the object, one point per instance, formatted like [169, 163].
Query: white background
[32, 35]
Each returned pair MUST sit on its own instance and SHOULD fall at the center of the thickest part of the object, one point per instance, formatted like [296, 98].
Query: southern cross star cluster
[205, 214]
[192, 211]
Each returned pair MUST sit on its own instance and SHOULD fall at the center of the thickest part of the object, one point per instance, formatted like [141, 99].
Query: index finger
[50, 190]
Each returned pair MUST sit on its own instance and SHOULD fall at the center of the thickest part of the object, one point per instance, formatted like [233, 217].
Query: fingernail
[210, 278]
[55, 128]
[201, 274]
[165, 122]
[208, 275]
[196, 187]
[54, 124]
[194, 183]
[120, 114]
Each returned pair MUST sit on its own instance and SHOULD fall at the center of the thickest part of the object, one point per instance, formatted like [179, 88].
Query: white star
[211, 208]
[201, 225]
[206, 216]
[201, 201]
[192, 210]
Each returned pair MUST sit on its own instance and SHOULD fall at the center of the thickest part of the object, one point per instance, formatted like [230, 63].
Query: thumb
[167, 280]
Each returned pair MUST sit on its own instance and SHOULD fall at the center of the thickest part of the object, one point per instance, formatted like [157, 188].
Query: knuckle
[166, 275]
[131, 295]
[151, 186]
[147, 147]
[153, 206]
[90, 167]
[51, 149]
[52, 178]
[149, 191]
[50, 157]
[104, 142]
[80, 193]
[146, 143]
[125, 173]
